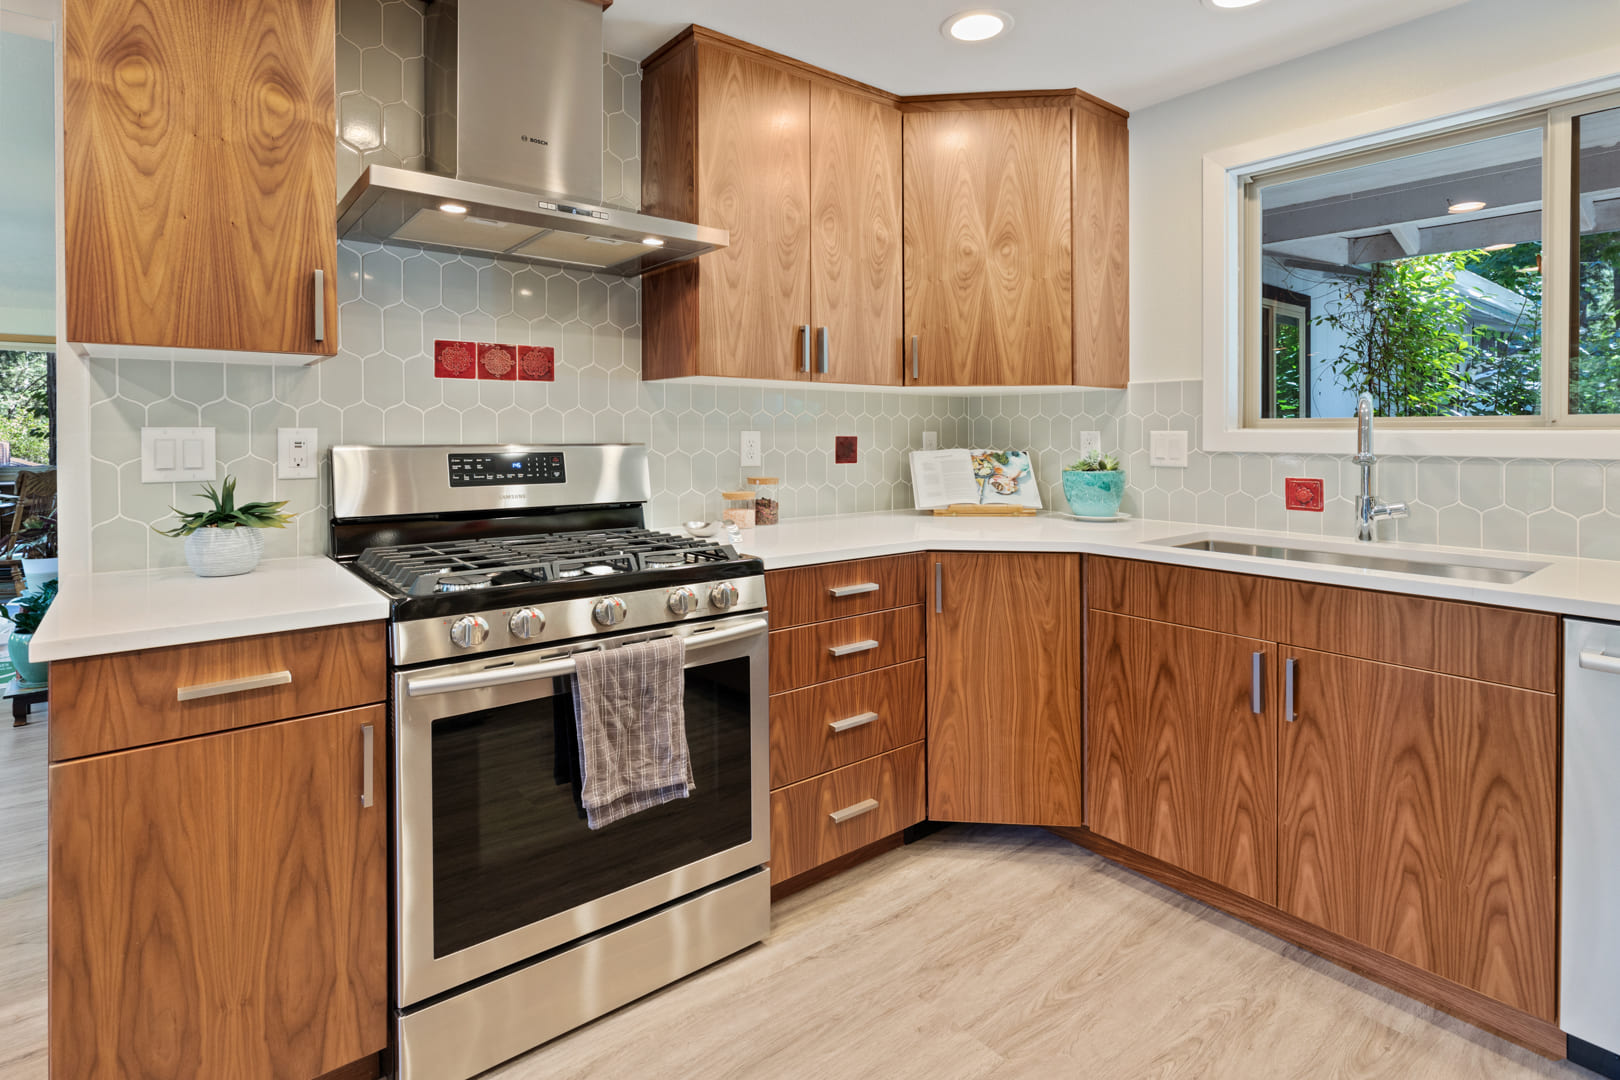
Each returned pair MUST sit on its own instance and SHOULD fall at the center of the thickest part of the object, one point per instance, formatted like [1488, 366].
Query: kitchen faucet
[1368, 509]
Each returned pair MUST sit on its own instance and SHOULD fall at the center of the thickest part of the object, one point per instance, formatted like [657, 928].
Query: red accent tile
[537, 363]
[455, 359]
[497, 362]
[1303, 494]
[844, 449]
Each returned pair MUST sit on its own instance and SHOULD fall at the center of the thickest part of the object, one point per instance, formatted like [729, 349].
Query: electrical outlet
[1090, 443]
[1168, 449]
[930, 440]
[750, 448]
[295, 453]
[170, 455]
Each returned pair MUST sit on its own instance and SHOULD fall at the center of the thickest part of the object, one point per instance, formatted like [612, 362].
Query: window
[1467, 279]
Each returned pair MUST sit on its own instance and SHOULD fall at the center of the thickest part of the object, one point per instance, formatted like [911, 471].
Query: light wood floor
[977, 952]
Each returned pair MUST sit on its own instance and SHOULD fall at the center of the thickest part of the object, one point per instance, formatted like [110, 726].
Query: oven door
[495, 863]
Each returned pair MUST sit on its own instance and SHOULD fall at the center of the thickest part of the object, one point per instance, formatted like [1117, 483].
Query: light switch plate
[173, 455]
[1090, 443]
[296, 448]
[930, 440]
[1168, 449]
[749, 447]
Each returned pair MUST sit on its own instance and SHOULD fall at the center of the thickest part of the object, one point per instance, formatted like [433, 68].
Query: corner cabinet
[199, 175]
[1016, 240]
[803, 170]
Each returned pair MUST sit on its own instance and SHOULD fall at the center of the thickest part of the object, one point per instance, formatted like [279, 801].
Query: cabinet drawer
[1227, 603]
[120, 700]
[808, 594]
[877, 711]
[816, 821]
[820, 652]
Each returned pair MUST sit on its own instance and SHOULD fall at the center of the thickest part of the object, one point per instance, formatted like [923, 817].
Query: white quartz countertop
[146, 609]
[1588, 588]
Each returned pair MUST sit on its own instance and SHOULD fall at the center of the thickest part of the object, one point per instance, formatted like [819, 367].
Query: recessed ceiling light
[1497, 247]
[979, 25]
[1228, 5]
[452, 208]
[1465, 207]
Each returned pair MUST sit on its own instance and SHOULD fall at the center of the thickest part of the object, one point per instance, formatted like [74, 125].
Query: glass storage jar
[767, 509]
[739, 508]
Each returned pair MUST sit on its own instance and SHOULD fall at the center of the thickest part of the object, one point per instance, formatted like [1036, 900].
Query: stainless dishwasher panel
[1589, 983]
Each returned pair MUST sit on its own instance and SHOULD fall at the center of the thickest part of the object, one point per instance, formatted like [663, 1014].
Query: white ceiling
[1131, 52]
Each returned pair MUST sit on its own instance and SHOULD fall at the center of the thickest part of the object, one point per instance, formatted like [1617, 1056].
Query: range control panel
[475, 470]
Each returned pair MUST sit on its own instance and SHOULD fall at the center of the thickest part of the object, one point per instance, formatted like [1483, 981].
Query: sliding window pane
[1594, 368]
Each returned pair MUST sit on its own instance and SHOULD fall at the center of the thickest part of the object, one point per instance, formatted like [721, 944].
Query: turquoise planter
[1094, 494]
[27, 670]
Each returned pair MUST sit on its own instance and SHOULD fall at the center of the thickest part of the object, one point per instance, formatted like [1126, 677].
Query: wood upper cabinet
[200, 173]
[1417, 814]
[1004, 689]
[803, 171]
[1015, 241]
[219, 905]
[1181, 764]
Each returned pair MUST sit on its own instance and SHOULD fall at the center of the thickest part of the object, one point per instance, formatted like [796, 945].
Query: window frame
[1232, 300]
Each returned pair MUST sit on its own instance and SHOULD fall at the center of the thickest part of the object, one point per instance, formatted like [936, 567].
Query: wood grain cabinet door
[855, 240]
[1004, 689]
[1417, 814]
[200, 172]
[1182, 756]
[989, 258]
[219, 905]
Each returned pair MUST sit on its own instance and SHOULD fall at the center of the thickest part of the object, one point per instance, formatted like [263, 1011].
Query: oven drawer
[831, 725]
[820, 652]
[807, 594]
[120, 700]
[816, 821]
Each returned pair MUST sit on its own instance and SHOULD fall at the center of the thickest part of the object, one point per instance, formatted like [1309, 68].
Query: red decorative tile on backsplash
[455, 359]
[497, 361]
[844, 449]
[1303, 494]
[537, 363]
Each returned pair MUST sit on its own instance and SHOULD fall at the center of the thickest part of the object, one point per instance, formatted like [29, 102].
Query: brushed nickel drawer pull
[367, 735]
[804, 355]
[823, 349]
[841, 591]
[233, 686]
[853, 647]
[865, 806]
[914, 357]
[320, 305]
[850, 722]
[1257, 701]
[1290, 677]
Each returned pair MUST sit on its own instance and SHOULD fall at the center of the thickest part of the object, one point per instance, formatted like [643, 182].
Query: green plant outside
[31, 608]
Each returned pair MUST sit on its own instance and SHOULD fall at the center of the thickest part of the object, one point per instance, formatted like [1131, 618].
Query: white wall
[1508, 47]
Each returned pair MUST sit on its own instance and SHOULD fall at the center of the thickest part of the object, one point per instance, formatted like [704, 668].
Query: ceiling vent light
[980, 25]
[1229, 5]
[1465, 207]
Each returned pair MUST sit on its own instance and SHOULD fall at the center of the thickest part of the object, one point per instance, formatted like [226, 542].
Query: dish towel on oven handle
[630, 711]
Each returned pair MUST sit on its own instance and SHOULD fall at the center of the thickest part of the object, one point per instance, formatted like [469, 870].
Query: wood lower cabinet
[219, 904]
[1004, 689]
[818, 820]
[198, 173]
[1181, 763]
[1417, 814]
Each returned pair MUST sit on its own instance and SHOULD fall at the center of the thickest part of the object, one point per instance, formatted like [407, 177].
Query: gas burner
[462, 582]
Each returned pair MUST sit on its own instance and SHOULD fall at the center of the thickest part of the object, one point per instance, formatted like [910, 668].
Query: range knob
[609, 612]
[724, 595]
[526, 622]
[682, 601]
[469, 630]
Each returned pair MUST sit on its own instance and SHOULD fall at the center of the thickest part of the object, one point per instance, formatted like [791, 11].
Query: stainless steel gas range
[513, 921]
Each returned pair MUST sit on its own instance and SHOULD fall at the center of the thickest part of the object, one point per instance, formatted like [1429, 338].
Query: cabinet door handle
[840, 591]
[823, 349]
[1257, 701]
[1598, 660]
[233, 686]
[914, 338]
[850, 722]
[1290, 676]
[865, 806]
[804, 348]
[367, 737]
[320, 305]
[939, 588]
[853, 647]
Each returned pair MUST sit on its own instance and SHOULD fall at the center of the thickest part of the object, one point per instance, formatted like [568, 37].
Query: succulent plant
[1097, 462]
[225, 514]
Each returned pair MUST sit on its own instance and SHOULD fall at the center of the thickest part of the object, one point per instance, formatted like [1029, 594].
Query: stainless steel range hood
[514, 149]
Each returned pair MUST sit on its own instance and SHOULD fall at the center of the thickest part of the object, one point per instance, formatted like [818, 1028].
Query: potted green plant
[31, 607]
[225, 539]
[1094, 486]
[35, 547]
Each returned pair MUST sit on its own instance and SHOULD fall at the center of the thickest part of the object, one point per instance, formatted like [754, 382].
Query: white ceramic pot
[37, 572]
[224, 552]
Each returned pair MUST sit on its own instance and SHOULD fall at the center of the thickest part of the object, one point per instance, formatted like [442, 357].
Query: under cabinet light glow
[452, 208]
[1465, 207]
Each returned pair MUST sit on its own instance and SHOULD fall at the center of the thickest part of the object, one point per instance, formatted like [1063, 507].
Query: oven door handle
[551, 669]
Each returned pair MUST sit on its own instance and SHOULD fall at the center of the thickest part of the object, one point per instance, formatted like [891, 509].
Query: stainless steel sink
[1495, 571]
